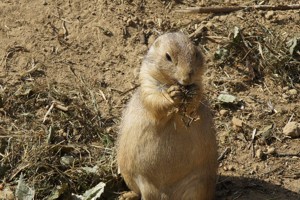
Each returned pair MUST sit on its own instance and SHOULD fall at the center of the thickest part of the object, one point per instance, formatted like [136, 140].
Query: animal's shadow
[241, 188]
[228, 188]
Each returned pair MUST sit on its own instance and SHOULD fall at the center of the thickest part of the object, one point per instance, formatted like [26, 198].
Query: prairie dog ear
[152, 40]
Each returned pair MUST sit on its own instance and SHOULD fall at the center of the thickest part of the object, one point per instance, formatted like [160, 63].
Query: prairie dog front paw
[176, 94]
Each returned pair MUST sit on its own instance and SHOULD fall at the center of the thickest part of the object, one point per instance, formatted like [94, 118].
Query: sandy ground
[67, 68]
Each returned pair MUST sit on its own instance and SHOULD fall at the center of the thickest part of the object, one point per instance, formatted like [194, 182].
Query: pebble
[67, 160]
[293, 92]
[269, 14]
[271, 150]
[223, 112]
[237, 122]
[259, 154]
[292, 129]
[285, 88]
[285, 96]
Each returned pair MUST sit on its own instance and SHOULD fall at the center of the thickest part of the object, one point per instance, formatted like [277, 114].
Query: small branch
[61, 107]
[133, 88]
[224, 9]
[252, 138]
[48, 112]
[225, 152]
[227, 9]
[287, 154]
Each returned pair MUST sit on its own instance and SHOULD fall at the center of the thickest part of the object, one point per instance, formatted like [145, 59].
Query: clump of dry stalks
[50, 134]
[262, 52]
[189, 108]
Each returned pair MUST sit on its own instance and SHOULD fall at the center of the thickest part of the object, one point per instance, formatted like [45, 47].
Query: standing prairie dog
[167, 147]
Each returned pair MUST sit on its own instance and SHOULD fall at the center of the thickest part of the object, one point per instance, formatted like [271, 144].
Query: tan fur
[159, 156]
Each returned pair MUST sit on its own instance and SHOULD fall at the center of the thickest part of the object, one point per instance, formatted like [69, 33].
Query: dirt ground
[67, 68]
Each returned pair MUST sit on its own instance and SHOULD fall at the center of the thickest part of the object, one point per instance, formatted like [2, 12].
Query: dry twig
[225, 152]
[48, 112]
[227, 9]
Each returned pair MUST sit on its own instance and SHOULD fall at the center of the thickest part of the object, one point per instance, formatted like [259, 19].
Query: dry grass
[35, 143]
[258, 52]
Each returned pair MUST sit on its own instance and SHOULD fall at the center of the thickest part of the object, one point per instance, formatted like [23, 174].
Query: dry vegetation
[67, 70]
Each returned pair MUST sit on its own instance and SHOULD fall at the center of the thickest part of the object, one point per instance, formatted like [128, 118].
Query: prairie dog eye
[168, 57]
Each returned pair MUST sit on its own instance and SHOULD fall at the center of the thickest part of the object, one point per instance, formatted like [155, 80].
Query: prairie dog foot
[129, 196]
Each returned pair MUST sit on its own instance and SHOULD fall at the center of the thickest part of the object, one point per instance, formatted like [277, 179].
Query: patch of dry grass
[50, 133]
[258, 52]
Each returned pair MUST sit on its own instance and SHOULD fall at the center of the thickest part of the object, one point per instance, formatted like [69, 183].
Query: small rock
[223, 112]
[269, 14]
[292, 129]
[67, 160]
[271, 150]
[226, 98]
[237, 122]
[259, 154]
[292, 91]
[285, 88]
[285, 96]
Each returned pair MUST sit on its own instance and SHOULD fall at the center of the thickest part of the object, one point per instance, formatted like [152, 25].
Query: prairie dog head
[174, 59]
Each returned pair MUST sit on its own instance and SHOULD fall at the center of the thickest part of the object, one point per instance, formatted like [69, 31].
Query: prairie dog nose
[184, 79]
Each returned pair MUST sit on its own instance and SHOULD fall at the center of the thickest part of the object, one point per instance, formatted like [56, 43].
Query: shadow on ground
[240, 188]
[228, 188]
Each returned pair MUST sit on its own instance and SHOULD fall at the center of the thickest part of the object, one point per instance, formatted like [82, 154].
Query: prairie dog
[159, 155]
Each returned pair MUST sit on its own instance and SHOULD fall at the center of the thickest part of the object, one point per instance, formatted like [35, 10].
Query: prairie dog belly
[166, 153]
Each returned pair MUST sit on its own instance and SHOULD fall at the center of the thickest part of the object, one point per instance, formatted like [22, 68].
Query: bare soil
[67, 68]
